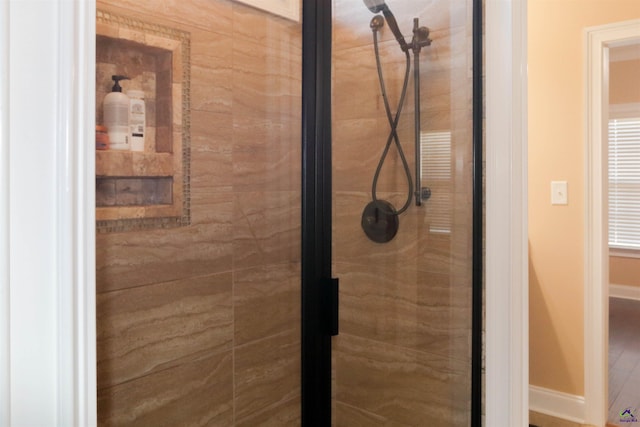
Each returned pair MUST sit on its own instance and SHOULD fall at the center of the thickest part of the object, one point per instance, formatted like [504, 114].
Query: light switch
[559, 192]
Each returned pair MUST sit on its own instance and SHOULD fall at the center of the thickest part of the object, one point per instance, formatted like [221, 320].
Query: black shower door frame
[319, 301]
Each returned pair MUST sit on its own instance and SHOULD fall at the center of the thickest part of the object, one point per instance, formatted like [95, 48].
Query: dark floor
[624, 359]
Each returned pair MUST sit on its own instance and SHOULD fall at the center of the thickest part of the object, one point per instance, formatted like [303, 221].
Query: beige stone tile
[278, 169]
[252, 133]
[211, 208]
[358, 149]
[213, 15]
[348, 416]
[440, 15]
[211, 49]
[405, 307]
[351, 25]
[139, 258]
[211, 89]
[133, 35]
[462, 152]
[354, 72]
[106, 30]
[266, 301]
[204, 396]
[150, 328]
[266, 228]
[438, 88]
[211, 133]
[394, 67]
[164, 140]
[448, 50]
[267, 82]
[259, 27]
[402, 385]
[176, 106]
[163, 43]
[211, 72]
[125, 163]
[211, 170]
[379, 303]
[266, 374]
[434, 252]
[436, 119]
[286, 414]
[447, 253]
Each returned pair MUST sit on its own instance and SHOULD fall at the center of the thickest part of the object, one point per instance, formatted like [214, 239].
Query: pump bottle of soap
[116, 115]
[137, 120]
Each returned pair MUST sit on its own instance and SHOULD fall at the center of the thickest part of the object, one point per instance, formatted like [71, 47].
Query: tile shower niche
[150, 188]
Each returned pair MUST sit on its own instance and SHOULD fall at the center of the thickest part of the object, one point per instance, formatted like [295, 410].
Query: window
[624, 181]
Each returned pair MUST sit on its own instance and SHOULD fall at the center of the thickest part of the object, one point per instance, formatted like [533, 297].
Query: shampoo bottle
[116, 116]
[137, 120]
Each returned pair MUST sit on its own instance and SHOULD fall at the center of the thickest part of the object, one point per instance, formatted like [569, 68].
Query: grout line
[173, 364]
[199, 276]
[263, 339]
[385, 343]
[270, 407]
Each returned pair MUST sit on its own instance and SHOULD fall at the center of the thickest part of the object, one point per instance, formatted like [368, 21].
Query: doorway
[624, 263]
[600, 41]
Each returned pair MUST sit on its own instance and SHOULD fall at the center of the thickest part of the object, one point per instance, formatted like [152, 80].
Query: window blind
[436, 174]
[624, 183]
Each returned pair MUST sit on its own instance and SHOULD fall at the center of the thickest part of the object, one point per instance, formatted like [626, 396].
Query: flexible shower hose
[393, 123]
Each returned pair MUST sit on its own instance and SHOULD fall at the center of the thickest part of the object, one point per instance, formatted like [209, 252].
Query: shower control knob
[425, 193]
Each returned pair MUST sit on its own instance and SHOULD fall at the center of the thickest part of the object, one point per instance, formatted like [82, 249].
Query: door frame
[73, 387]
[5, 317]
[47, 211]
[316, 233]
[596, 284]
[506, 264]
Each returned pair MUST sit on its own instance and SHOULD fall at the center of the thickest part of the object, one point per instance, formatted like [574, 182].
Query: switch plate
[559, 193]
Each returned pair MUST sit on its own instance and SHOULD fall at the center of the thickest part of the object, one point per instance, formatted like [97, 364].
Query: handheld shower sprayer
[377, 6]
[380, 218]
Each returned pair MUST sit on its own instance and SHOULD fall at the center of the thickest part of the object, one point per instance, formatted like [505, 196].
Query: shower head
[377, 6]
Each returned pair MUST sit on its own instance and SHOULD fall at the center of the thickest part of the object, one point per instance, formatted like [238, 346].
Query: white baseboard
[557, 404]
[624, 291]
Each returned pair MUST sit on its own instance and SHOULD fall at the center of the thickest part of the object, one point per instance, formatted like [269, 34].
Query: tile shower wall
[199, 325]
[403, 354]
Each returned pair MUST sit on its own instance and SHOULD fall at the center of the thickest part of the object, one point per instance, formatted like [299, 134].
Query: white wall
[32, 212]
[46, 327]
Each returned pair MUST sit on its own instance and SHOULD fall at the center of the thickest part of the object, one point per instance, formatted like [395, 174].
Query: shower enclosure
[408, 348]
[272, 306]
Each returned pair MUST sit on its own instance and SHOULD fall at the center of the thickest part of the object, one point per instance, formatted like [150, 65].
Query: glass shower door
[403, 211]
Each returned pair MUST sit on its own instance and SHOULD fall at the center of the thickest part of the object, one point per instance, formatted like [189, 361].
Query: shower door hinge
[331, 306]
